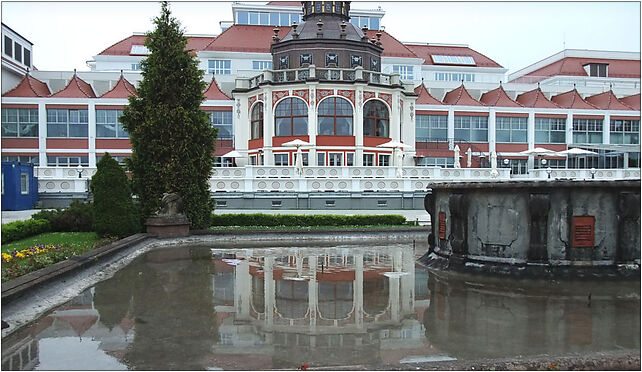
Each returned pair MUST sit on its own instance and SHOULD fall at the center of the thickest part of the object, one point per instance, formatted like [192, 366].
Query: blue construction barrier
[19, 186]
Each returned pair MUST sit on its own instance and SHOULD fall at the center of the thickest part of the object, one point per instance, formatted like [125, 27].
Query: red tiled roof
[213, 91]
[460, 97]
[29, 87]
[425, 98]
[535, 98]
[425, 52]
[75, 89]
[391, 46]
[574, 66]
[633, 101]
[607, 101]
[572, 100]
[123, 47]
[498, 97]
[246, 38]
[122, 89]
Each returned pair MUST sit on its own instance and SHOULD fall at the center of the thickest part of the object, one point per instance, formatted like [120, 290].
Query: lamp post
[548, 171]
[593, 170]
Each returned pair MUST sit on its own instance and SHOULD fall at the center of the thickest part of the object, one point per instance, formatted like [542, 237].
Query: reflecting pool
[194, 308]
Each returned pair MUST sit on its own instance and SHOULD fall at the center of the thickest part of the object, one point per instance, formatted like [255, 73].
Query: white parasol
[296, 143]
[395, 145]
[538, 151]
[457, 150]
[232, 154]
[469, 157]
[576, 151]
[298, 164]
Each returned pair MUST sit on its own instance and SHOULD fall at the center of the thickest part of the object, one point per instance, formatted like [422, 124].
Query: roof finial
[500, 83]
[27, 70]
[610, 84]
[538, 85]
[121, 73]
[74, 72]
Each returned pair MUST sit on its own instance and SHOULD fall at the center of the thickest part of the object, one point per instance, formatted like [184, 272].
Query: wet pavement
[194, 308]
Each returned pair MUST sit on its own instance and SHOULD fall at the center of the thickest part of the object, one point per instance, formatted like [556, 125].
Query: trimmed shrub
[48, 215]
[259, 219]
[115, 212]
[23, 229]
[78, 217]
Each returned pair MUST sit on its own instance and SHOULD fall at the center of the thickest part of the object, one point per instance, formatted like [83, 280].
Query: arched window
[335, 117]
[257, 121]
[291, 118]
[375, 119]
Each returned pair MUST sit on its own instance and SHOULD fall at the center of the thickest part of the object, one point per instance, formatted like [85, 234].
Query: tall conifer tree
[172, 140]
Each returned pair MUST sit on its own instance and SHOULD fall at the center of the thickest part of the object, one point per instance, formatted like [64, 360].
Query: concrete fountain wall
[577, 228]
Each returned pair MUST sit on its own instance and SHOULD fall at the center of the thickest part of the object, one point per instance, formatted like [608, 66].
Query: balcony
[312, 73]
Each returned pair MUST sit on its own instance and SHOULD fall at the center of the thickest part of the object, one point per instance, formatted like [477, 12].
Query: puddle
[193, 308]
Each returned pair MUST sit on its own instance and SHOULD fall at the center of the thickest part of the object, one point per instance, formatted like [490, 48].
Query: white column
[42, 134]
[606, 129]
[407, 282]
[358, 127]
[268, 127]
[531, 136]
[241, 123]
[91, 134]
[395, 130]
[312, 127]
[492, 133]
[313, 292]
[242, 290]
[358, 290]
[569, 128]
[394, 297]
[269, 291]
[451, 128]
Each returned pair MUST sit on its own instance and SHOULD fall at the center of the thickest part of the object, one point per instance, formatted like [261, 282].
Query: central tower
[326, 38]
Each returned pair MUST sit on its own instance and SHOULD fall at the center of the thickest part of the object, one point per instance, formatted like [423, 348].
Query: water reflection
[187, 308]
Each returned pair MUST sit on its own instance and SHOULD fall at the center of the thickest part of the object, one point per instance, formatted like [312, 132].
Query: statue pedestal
[173, 226]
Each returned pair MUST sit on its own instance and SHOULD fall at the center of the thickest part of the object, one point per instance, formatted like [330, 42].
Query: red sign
[583, 231]
[442, 225]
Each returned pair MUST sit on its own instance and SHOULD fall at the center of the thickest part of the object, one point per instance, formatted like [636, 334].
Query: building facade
[381, 118]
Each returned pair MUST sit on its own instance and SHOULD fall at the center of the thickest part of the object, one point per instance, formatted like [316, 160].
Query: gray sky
[514, 34]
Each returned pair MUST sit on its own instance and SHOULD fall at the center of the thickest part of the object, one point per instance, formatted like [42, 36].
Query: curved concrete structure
[585, 228]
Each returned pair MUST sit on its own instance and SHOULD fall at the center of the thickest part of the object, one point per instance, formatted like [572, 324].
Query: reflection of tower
[313, 305]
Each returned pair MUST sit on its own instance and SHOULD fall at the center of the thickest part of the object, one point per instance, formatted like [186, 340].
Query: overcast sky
[514, 34]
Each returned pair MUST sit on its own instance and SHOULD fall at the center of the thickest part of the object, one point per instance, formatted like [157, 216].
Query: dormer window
[8, 46]
[597, 69]
[139, 50]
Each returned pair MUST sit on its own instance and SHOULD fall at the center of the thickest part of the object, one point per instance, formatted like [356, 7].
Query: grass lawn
[72, 238]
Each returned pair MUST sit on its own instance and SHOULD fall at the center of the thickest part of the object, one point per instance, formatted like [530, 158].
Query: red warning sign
[583, 231]
[442, 225]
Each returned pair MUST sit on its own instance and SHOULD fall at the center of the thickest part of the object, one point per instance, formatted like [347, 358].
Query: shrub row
[78, 217]
[259, 219]
[23, 229]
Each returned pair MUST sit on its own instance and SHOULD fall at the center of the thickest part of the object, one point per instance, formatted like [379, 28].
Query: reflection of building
[346, 90]
[320, 306]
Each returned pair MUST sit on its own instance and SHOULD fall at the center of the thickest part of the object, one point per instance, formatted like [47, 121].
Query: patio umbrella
[469, 157]
[576, 151]
[232, 154]
[296, 143]
[397, 157]
[394, 145]
[538, 151]
[457, 150]
[298, 165]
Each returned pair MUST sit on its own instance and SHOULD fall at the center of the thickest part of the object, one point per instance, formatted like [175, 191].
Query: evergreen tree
[114, 211]
[172, 140]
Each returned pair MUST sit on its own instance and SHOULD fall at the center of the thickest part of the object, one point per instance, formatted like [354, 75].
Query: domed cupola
[326, 38]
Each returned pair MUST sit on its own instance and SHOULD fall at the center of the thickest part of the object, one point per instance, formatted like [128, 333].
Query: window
[454, 76]
[320, 159]
[305, 59]
[511, 129]
[33, 159]
[375, 119]
[350, 159]
[368, 160]
[436, 162]
[24, 183]
[223, 121]
[17, 49]
[471, 128]
[625, 131]
[67, 123]
[335, 117]
[8, 46]
[108, 126]
[430, 128]
[405, 72]
[119, 159]
[67, 161]
[257, 121]
[517, 166]
[219, 66]
[135, 66]
[139, 49]
[335, 159]
[220, 161]
[304, 158]
[331, 60]
[262, 65]
[587, 130]
[597, 69]
[355, 61]
[242, 18]
[291, 117]
[281, 159]
[384, 160]
[550, 130]
[27, 57]
[19, 122]
[453, 60]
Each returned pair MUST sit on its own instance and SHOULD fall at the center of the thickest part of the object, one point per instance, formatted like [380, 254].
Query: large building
[382, 118]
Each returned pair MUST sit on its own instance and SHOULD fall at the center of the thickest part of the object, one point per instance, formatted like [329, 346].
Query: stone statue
[171, 205]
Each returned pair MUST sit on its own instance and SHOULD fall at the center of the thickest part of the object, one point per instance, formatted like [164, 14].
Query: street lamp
[79, 170]
[593, 173]
[549, 171]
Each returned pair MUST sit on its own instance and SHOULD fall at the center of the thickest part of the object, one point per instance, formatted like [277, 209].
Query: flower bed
[28, 252]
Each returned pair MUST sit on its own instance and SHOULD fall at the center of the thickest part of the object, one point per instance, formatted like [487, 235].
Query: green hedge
[23, 229]
[259, 219]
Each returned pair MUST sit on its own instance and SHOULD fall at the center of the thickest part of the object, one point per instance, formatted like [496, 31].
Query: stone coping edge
[489, 185]
[17, 286]
[310, 231]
